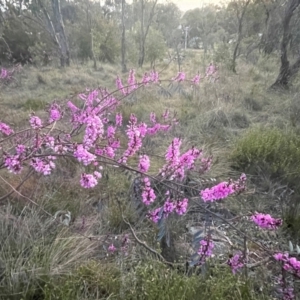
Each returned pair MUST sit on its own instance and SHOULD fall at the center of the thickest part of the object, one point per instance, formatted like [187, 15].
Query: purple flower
[112, 248]
[154, 215]
[119, 119]
[266, 221]
[206, 247]
[4, 128]
[181, 206]
[236, 262]
[88, 180]
[196, 79]
[148, 194]
[83, 155]
[169, 207]
[54, 113]
[13, 163]
[218, 192]
[144, 163]
[43, 165]
[35, 122]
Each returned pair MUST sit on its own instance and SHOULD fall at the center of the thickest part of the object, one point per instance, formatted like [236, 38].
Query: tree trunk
[61, 35]
[90, 27]
[142, 43]
[144, 32]
[286, 72]
[123, 47]
[240, 17]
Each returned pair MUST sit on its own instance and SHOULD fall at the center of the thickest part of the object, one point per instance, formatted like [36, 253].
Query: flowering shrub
[91, 132]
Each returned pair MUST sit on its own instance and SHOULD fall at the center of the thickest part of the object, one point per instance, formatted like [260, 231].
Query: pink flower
[94, 130]
[4, 128]
[43, 165]
[266, 221]
[144, 163]
[153, 117]
[236, 262]
[88, 180]
[4, 73]
[180, 77]
[131, 81]
[218, 192]
[55, 113]
[120, 86]
[13, 163]
[173, 152]
[83, 155]
[148, 194]
[181, 206]
[166, 114]
[20, 149]
[154, 76]
[154, 215]
[111, 131]
[119, 119]
[196, 79]
[146, 79]
[169, 207]
[35, 122]
[112, 248]
[205, 250]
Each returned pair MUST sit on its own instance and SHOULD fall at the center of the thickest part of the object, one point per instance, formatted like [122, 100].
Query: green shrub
[272, 151]
[94, 280]
[155, 281]
[34, 104]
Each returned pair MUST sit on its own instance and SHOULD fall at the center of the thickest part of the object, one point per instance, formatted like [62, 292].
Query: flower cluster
[13, 163]
[144, 163]
[196, 79]
[55, 113]
[90, 180]
[236, 262]
[35, 122]
[181, 206]
[210, 70]
[205, 250]
[290, 264]
[217, 192]
[148, 194]
[180, 77]
[224, 189]
[132, 84]
[3, 74]
[266, 221]
[43, 165]
[154, 215]
[285, 290]
[83, 155]
[5, 129]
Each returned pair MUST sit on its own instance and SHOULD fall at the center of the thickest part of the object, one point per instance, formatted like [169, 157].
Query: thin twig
[143, 244]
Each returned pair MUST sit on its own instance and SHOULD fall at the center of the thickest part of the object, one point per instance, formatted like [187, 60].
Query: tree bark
[286, 71]
[240, 17]
[123, 45]
[90, 27]
[144, 32]
[61, 35]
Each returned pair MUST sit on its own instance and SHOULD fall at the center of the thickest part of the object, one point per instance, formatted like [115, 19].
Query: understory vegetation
[243, 126]
[91, 93]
